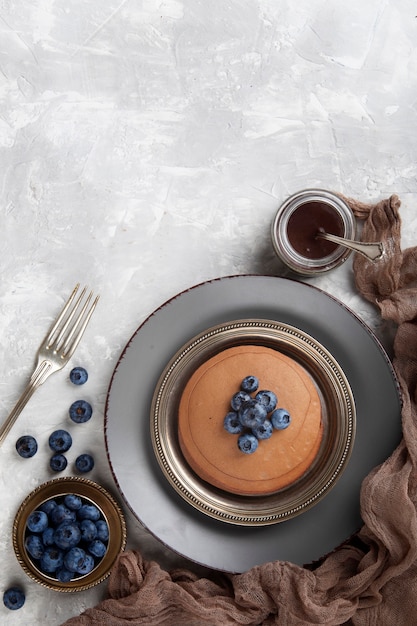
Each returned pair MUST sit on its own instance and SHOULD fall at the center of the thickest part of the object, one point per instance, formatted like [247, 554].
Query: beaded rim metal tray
[338, 414]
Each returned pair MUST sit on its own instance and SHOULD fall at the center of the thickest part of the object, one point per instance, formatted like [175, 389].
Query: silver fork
[56, 349]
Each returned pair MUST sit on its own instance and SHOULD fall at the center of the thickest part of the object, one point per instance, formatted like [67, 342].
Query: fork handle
[38, 377]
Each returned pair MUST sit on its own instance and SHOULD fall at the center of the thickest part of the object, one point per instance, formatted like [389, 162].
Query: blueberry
[97, 548]
[62, 514]
[232, 423]
[64, 575]
[34, 545]
[238, 399]
[280, 419]
[48, 506]
[37, 521]
[58, 462]
[249, 384]
[60, 440]
[90, 530]
[74, 558]
[80, 411]
[48, 536]
[26, 446]
[263, 431]
[14, 598]
[86, 565]
[84, 463]
[67, 535]
[102, 530]
[78, 375]
[268, 399]
[73, 502]
[252, 413]
[89, 511]
[51, 559]
[247, 443]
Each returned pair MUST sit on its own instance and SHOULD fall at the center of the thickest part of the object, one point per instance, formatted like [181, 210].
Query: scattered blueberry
[263, 431]
[268, 399]
[37, 521]
[60, 440]
[26, 446]
[252, 413]
[249, 384]
[80, 411]
[14, 598]
[97, 548]
[232, 423]
[238, 399]
[247, 443]
[35, 546]
[67, 535]
[51, 559]
[84, 463]
[280, 419]
[58, 462]
[78, 375]
[73, 502]
[102, 530]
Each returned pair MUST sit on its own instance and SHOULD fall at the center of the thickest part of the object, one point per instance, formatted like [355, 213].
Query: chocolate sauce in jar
[304, 224]
[296, 226]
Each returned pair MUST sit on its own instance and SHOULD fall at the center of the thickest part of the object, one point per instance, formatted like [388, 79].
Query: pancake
[213, 453]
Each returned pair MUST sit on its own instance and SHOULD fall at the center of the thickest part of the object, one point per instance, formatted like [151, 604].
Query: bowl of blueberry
[68, 533]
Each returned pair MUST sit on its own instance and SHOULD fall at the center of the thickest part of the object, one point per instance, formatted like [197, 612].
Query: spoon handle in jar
[373, 251]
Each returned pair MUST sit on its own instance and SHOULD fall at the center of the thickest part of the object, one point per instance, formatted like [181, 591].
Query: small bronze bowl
[90, 493]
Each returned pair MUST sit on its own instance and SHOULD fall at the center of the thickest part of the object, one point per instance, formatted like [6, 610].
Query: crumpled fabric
[372, 578]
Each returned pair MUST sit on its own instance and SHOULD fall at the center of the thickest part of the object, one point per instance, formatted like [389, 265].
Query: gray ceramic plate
[152, 499]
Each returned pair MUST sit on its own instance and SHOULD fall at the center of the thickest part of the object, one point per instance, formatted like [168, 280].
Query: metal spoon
[372, 251]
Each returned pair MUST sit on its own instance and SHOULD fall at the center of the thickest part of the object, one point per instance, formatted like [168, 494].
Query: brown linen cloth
[372, 579]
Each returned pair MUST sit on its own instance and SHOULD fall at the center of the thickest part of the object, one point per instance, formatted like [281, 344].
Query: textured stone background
[145, 147]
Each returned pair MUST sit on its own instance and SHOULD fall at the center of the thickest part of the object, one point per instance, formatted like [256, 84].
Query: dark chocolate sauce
[304, 224]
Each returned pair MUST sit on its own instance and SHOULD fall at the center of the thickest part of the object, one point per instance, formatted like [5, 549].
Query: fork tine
[55, 327]
[58, 341]
[69, 345]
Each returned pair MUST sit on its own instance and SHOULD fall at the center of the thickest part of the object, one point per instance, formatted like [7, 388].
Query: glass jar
[296, 226]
